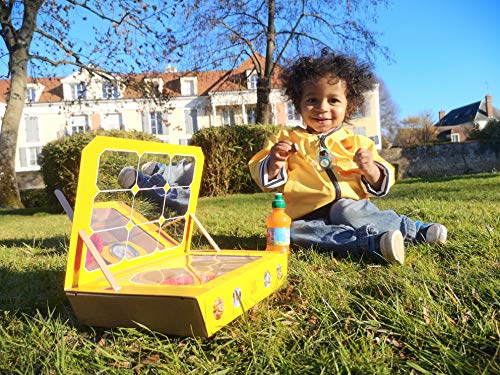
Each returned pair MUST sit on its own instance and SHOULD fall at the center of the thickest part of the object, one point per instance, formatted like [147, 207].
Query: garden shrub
[34, 198]
[227, 150]
[60, 161]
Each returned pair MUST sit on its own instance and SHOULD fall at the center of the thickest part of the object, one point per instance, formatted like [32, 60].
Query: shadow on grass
[56, 245]
[27, 291]
[37, 211]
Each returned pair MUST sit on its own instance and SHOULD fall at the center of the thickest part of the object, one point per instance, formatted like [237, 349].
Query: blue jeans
[177, 174]
[175, 198]
[349, 228]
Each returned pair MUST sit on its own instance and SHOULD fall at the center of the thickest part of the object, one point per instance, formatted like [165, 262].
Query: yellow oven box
[130, 260]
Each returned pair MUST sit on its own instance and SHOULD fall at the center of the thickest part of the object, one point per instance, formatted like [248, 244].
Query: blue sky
[446, 53]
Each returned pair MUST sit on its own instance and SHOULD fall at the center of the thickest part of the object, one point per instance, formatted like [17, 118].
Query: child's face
[323, 104]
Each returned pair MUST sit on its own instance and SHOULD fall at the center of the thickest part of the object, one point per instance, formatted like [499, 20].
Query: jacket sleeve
[387, 171]
[258, 168]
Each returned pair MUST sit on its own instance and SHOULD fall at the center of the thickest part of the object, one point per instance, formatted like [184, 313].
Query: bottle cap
[278, 201]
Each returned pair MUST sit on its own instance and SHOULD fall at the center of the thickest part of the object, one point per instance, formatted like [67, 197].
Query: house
[456, 125]
[171, 105]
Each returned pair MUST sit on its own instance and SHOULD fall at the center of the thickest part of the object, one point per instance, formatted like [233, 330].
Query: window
[156, 123]
[29, 156]
[30, 95]
[31, 129]
[228, 117]
[109, 91]
[292, 114]
[455, 137]
[254, 78]
[78, 124]
[154, 86]
[78, 91]
[251, 115]
[375, 139]
[191, 120]
[112, 121]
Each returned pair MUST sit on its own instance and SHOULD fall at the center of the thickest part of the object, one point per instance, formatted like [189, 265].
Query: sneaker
[392, 247]
[150, 168]
[435, 233]
[126, 177]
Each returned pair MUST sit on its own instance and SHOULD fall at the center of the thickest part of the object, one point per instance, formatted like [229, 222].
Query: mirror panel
[140, 205]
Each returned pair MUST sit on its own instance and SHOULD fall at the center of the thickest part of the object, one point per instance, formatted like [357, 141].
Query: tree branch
[97, 13]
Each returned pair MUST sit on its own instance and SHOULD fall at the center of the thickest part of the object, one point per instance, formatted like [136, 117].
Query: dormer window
[252, 81]
[189, 86]
[109, 90]
[30, 95]
[78, 91]
[154, 86]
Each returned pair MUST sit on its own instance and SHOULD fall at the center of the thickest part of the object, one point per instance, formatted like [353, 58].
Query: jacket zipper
[329, 172]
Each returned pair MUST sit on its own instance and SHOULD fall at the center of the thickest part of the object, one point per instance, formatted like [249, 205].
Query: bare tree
[416, 130]
[115, 36]
[224, 31]
[389, 113]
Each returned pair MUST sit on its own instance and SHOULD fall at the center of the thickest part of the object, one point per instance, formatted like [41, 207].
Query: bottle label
[278, 236]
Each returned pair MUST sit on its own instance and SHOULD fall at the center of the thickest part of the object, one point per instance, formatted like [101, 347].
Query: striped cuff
[279, 180]
[384, 189]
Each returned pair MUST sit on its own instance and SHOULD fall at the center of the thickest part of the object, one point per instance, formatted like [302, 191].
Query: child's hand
[278, 155]
[364, 159]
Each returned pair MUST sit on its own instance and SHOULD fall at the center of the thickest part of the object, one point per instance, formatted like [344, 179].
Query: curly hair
[356, 75]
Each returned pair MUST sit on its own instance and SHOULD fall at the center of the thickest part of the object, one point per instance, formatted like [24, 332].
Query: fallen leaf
[426, 316]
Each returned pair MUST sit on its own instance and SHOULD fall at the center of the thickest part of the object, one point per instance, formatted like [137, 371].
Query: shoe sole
[392, 247]
[436, 234]
[148, 168]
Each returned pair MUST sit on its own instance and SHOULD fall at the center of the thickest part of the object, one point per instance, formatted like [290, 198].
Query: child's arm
[366, 164]
[278, 155]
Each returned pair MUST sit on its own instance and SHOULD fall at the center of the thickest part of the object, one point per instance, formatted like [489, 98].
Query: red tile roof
[208, 81]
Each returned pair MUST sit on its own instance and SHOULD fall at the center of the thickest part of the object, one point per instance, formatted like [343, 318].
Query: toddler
[327, 174]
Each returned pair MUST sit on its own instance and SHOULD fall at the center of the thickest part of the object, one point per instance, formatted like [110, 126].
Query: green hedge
[227, 150]
[60, 161]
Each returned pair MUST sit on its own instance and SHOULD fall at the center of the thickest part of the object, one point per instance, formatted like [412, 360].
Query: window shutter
[188, 121]
[22, 157]
[31, 127]
[194, 119]
[159, 123]
[232, 120]
[146, 128]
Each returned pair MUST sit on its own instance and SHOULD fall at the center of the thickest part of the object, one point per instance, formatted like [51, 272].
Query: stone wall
[444, 159]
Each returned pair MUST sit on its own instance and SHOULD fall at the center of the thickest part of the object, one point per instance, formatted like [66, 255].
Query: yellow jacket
[305, 185]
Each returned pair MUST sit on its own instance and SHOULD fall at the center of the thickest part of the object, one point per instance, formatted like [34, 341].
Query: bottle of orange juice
[278, 227]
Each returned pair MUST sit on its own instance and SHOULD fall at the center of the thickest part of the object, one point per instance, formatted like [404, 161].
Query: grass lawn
[438, 314]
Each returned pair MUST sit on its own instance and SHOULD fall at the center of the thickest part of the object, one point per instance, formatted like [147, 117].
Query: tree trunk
[9, 191]
[263, 113]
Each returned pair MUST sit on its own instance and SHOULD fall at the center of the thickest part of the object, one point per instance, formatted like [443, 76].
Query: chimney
[170, 69]
[489, 105]
[441, 114]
